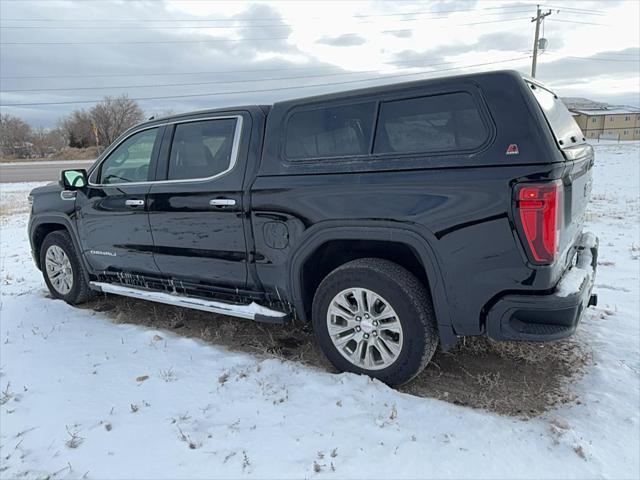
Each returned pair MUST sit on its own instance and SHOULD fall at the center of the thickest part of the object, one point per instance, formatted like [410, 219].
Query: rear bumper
[552, 316]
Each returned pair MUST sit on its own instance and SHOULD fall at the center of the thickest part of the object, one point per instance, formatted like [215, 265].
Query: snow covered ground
[82, 397]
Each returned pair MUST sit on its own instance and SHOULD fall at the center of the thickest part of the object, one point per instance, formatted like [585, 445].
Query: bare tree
[113, 116]
[77, 129]
[81, 129]
[46, 142]
[14, 136]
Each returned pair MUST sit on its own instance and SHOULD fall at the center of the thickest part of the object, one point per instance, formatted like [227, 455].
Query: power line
[218, 40]
[295, 87]
[507, 8]
[215, 82]
[212, 27]
[235, 25]
[616, 54]
[161, 42]
[490, 21]
[599, 59]
[584, 11]
[253, 70]
[160, 74]
[604, 59]
[217, 72]
[576, 21]
[267, 25]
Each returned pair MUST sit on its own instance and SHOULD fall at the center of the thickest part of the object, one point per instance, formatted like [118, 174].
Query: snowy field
[83, 397]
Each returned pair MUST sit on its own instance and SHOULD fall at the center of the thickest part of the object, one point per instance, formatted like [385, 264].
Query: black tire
[406, 295]
[80, 291]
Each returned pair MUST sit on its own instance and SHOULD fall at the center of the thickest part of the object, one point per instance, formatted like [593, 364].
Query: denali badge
[513, 149]
[102, 252]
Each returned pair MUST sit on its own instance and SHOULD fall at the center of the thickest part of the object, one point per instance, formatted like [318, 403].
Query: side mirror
[73, 179]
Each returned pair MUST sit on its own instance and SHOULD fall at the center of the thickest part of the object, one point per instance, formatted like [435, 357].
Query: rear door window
[201, 149]
[429, 124]
[564, 127]
[333, 131]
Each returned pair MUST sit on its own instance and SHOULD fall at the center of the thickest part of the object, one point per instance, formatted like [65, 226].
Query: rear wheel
[62, 269]
[374, 317]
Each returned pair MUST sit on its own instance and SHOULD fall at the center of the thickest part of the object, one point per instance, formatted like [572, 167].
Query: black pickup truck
[394, 218]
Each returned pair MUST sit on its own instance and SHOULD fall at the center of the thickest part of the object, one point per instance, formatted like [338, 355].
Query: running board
[252, 311]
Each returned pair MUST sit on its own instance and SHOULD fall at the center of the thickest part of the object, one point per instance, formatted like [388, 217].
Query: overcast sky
[204, 54]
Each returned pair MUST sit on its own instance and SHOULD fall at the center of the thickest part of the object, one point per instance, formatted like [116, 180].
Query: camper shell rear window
[565, 129]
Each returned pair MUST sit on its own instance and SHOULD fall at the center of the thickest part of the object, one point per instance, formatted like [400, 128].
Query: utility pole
[538, 18]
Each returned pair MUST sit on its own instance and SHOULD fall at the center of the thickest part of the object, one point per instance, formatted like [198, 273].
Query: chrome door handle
[134, 203]
[222, 202]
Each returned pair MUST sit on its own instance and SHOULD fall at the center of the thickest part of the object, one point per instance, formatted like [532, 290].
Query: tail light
[539, 209]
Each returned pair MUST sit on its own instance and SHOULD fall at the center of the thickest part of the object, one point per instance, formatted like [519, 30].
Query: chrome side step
[252, 311]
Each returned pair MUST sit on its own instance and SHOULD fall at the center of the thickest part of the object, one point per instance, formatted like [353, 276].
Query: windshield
[564, 127]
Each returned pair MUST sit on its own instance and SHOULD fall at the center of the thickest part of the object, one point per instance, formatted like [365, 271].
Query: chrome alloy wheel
[364, 328]
[59, 269]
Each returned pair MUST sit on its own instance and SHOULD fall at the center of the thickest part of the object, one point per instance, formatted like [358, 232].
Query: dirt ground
[514, 378]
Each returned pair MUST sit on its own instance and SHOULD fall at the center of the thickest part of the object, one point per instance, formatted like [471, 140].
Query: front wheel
[374, 317]
[62, 269]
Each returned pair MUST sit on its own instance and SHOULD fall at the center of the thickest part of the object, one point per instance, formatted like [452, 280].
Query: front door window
[129, 162]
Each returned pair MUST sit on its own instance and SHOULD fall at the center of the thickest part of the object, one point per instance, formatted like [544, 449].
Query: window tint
[429, 124]
[330, 132]
[201, 149]
[562, 124]
[129, 162]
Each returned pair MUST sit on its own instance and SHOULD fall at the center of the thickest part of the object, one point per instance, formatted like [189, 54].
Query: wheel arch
[403, 244]
[42, 226]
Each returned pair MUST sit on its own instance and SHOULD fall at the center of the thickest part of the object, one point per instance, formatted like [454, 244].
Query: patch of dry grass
[523, 379]
[67, 153]
[514, 378]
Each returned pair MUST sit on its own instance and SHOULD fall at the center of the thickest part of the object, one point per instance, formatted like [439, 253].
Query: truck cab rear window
[429, 124]
[333, 131]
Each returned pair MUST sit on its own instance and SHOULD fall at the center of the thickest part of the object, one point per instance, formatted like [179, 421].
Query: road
[43, 171]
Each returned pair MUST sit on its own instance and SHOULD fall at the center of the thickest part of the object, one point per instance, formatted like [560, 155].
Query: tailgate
[577, 181]
[579, 160]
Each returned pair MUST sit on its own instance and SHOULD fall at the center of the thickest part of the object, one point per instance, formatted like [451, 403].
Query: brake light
[539, 207]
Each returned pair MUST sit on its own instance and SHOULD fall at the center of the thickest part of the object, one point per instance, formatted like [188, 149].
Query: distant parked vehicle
[395, 218]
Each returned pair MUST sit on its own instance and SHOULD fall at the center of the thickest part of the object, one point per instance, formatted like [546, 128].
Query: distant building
[583, 103]
[601, 121]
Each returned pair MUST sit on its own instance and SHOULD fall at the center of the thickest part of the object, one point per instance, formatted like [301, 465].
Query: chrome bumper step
[251, 311]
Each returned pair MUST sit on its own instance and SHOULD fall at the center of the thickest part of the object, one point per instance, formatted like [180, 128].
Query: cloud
[346, 40]
[400, 33]
[611, 76]
[250, 45]
[577, 70]
[260, 52]
[260, 35]
[411, 58]
[448, 5]
[503, 41]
